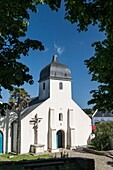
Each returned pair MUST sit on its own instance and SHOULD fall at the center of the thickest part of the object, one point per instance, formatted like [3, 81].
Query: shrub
[103, 134]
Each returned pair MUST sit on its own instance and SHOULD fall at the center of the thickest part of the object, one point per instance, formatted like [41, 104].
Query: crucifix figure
[35, 122]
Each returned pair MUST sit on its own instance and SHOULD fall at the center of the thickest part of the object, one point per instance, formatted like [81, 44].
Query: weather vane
[55, 50]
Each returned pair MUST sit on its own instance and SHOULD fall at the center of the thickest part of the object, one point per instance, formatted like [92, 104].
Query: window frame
[60, 117]
[60, 86]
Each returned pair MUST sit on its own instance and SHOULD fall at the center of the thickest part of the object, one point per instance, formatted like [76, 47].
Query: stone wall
[51, 164]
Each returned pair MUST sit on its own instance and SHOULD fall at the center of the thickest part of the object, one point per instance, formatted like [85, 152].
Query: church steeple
[54, 74]
[55, 70]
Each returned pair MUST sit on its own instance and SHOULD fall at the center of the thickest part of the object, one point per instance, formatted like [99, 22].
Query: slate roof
[29, 109]
[103, 114]
[34, 103]
[34, 100]
[55, 70]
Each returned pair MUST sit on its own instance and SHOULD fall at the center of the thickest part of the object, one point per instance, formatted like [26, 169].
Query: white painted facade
[5, 129]
[63, 123]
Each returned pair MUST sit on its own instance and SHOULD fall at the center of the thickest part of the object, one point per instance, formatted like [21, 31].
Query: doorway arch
[60, 139]
[1, 142]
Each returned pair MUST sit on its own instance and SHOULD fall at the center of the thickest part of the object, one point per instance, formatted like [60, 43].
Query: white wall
[5, 128]
[44, 94]
[27, 129]
[59, 102]
[14, 137]
[65, 93]
[78, 120]
[82, 125]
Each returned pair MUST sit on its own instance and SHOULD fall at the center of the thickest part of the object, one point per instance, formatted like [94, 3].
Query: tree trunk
[19, 130]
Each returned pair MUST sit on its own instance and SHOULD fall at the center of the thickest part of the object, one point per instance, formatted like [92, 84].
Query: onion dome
[55, 70]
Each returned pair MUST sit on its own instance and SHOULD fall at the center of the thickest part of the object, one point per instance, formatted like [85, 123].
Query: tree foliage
[13, 43]
[103, 135]
[19, 96]
[100, 13]
[3, 108]
[89, 112]
[14, 21]
[101, 68]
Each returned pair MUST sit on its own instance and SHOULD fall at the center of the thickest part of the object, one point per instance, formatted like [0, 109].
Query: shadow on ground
[110, 163]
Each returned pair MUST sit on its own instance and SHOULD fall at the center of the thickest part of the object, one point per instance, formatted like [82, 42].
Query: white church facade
[52, 120]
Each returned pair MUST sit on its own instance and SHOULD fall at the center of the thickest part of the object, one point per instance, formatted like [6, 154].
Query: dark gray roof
[55, 70]
[103, 114]
[29, 109]
[34, 100]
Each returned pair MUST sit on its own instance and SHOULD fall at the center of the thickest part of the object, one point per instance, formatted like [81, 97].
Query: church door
[1, 142]
[60, 137]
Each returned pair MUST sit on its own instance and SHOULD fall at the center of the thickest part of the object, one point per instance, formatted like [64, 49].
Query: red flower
[93, 127]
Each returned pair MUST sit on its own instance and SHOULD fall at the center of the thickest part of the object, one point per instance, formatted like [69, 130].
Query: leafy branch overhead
[100, 13]
[14, 21]
[13, 44]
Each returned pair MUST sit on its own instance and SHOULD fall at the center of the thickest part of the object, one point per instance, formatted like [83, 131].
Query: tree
[19, 99]
[101, 68]
[100, 13]
[103, 135]
[13, 42]
[89, 112]
[14, 21]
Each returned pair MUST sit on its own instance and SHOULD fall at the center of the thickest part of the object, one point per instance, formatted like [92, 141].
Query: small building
[52, 120]
[100, 116]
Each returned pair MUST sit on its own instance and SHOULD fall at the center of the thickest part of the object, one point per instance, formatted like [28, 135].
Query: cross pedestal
[36, 147]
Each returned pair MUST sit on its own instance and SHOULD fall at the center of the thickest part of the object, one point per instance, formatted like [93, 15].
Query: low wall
[50, 164]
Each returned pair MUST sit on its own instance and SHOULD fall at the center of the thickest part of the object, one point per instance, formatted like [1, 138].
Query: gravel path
[101, 162]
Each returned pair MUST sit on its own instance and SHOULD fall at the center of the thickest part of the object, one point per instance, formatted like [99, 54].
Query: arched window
[60, 117]
[60, 85]
[43, 86]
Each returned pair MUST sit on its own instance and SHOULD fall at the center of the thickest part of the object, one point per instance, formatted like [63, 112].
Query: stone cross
[35, 122]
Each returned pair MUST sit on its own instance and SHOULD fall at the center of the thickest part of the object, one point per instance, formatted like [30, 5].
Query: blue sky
[73, 48]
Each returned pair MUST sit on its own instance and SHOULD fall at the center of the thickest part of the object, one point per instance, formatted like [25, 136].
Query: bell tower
[55, 79]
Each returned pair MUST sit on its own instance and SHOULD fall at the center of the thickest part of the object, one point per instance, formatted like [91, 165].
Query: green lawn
[6, 157]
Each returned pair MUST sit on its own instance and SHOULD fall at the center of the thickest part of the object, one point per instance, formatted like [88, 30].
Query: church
[52, 120]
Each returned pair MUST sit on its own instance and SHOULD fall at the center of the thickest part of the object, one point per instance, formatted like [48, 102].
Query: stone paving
[101, 162]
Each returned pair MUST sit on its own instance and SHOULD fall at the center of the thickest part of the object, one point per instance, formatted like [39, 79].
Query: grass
[6, 157]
